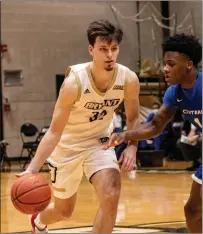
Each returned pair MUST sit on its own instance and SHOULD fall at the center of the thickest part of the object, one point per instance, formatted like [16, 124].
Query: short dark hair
[184, 44]
[105, 30]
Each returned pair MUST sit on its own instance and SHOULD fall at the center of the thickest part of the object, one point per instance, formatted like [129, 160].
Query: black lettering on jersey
[96, 115]
[94, 105]
[112, 102]
[118, 87]
[99, 106]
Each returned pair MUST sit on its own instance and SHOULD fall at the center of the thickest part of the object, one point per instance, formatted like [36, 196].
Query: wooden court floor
[152, 202]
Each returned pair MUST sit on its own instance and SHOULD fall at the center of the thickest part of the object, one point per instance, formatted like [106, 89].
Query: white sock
[38, 222]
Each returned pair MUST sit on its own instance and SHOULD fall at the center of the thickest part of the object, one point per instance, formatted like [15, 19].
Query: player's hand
[26, 172]
[193, 139]
[128, 158]
[114, 140]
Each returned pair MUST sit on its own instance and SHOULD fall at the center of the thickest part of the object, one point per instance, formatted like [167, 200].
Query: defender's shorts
[67, 168]
[197, 176]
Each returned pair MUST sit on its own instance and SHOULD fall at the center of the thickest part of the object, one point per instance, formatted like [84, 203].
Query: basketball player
[81, 124]
[182, 54]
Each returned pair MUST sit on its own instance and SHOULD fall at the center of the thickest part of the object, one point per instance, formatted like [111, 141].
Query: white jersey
[91, 116]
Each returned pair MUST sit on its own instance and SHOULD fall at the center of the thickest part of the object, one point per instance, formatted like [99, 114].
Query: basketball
[30, 194]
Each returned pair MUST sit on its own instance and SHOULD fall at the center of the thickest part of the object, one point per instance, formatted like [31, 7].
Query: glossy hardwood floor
[147, 199]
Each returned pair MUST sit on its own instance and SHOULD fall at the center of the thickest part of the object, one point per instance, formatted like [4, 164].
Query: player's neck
[190, 80]
[101, 75]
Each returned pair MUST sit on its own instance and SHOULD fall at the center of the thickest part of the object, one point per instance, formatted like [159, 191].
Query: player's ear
[90, 49]
[189, 65]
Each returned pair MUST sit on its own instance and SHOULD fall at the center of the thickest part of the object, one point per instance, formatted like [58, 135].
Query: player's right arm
[67, 96]
[154, 128]
[148, 130]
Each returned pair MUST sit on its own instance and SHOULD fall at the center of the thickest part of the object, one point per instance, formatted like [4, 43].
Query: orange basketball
[30, 194]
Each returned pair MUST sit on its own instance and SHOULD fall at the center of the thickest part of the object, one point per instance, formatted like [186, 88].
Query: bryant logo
[98, 106]
[118, 87]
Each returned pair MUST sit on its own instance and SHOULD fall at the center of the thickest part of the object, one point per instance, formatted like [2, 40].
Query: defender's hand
[115, 139]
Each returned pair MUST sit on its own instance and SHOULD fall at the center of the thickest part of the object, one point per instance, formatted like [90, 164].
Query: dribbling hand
[26, 172]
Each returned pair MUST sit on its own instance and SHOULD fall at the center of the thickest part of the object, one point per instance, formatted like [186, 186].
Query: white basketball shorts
[67, 168]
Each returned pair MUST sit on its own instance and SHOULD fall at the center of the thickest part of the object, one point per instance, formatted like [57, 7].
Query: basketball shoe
[36, 226]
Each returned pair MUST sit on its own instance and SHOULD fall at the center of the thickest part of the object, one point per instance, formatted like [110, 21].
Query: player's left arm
[132, 110]
[131, 102]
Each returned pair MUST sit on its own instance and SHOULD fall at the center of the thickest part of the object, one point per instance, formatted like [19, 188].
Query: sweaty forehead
[175, 56]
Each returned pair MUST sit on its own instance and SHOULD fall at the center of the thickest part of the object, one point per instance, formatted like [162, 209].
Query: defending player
[182, 55]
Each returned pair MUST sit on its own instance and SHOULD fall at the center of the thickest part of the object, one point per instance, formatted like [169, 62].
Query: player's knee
[187, 210]
[65, 213]
[112, 193]
[192, 211]
[64, 207]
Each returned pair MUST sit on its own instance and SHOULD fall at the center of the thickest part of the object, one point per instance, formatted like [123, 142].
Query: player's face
[176, 67]
[104, 54]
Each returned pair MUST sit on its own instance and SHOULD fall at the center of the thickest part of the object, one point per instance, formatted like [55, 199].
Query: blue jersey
[197, 176]
[189, 101]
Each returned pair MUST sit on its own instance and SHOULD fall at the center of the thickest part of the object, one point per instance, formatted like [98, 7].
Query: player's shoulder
[199, 79]
[130, 74]
[71, 78]
[70, 82]
[75, 69]
[70, 89]
[79, 67]
[171, 93]
[127, 69]
[172, 89]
